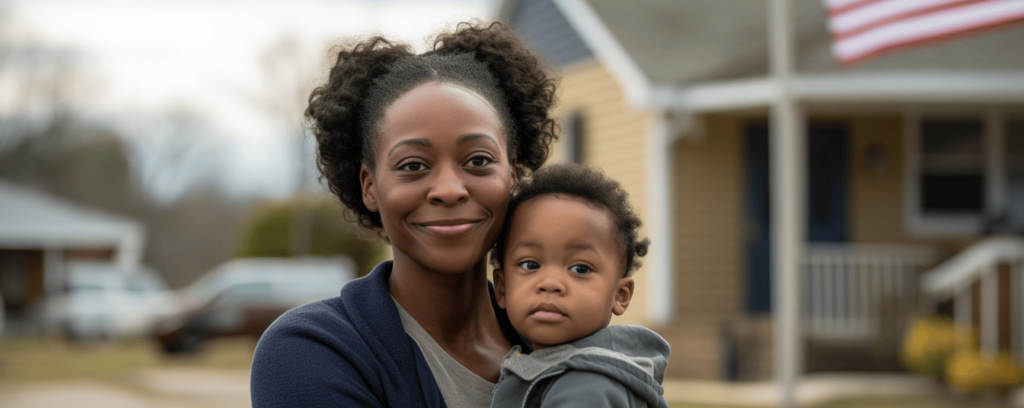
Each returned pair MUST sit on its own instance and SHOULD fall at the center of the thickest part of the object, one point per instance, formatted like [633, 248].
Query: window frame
[918, 223]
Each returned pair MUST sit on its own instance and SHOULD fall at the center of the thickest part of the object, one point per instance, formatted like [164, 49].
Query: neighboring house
[39, 234]
[913, 158]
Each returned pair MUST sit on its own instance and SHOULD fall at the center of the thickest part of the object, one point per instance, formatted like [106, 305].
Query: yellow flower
[972, 372]
[930, 342]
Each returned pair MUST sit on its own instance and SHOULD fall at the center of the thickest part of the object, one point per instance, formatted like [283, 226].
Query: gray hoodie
[618, 366]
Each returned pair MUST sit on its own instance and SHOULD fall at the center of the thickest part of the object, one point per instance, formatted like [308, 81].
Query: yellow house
[914, 176]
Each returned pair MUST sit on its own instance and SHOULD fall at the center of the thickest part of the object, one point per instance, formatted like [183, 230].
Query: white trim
[966, 267]
[660, 268]
[995, 86]
[727, 95]
[596, 35]
[900, 87]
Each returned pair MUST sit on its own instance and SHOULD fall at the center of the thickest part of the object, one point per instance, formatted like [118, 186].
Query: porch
[875, 224]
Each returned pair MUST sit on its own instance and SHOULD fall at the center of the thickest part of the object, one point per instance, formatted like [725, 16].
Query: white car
[106, 302]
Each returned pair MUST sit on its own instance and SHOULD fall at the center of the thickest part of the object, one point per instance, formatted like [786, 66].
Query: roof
[30, 219]
[679, 43]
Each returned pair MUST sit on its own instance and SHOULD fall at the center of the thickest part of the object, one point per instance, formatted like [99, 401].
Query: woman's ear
[623, 294]
[499, 287]
[366, 181]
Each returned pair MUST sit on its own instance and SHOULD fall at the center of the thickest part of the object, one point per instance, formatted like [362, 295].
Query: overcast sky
[148, 62]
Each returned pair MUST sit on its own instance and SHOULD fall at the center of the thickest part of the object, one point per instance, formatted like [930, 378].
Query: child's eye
[413, 166]
[580, 269]
[529, 265]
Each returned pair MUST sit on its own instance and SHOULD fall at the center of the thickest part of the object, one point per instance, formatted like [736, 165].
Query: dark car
[243, 296]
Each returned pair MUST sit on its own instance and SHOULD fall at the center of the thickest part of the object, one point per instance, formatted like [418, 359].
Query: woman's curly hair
[592, 187]
[344, 114]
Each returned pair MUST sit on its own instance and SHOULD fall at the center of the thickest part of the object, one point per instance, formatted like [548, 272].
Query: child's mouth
[547, 312]
[548, 316]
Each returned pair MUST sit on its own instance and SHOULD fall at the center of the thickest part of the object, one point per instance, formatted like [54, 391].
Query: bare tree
[288, 77]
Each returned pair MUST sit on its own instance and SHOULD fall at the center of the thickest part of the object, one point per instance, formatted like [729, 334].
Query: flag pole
[788, 166]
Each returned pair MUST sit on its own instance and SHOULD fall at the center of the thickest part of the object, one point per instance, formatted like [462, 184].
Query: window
[965, 174]
[952, 177]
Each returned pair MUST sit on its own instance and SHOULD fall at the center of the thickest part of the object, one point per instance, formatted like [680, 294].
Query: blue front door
[827, 154]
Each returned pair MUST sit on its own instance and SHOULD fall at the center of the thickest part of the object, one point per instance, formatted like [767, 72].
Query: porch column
[963, 308]
[788, 164]
[129, 249]
[54, 274]
[660, 268]
[1017, 274]
[990, 310]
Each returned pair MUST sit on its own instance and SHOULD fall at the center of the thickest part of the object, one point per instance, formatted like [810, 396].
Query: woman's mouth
[449, 227]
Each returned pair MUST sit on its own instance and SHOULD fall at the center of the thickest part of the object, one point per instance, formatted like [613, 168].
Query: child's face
[563, 271]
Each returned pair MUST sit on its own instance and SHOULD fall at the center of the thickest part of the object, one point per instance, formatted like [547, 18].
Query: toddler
[562, 268]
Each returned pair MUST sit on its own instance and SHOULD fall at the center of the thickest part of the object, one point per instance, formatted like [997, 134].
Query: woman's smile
[450, 227]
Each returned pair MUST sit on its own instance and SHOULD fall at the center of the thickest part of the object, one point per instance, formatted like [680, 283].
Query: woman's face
[442, 177]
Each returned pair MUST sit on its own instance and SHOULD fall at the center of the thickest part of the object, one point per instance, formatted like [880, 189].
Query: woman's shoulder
[348, 317]
[349, 349]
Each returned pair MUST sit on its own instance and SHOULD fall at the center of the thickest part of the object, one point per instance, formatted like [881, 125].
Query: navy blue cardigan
[349, 350]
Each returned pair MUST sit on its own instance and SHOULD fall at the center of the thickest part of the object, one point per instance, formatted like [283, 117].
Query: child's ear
[623, 294]
[366, 181]
[499, 287]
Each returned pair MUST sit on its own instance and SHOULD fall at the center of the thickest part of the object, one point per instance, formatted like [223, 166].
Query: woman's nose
[448, 187]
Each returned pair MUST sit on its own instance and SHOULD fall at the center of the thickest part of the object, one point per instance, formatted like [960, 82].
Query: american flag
[866, 28]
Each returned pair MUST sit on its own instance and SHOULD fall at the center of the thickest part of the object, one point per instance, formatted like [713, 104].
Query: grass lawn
[46, 360]
[895, 402]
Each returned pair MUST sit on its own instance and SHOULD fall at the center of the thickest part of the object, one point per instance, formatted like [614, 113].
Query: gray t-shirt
[460, 387]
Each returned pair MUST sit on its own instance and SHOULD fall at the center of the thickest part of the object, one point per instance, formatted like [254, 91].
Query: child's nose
[551, 284]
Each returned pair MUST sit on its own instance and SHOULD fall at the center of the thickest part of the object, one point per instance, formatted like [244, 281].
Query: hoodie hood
[634, 356]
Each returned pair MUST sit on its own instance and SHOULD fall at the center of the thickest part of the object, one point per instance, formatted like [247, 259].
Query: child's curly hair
[344, 114]
[591, 186]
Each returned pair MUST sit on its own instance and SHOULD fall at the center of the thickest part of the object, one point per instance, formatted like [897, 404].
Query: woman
[424, 149]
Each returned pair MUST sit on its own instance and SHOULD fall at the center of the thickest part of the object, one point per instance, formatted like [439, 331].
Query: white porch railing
[849, 288]
[955, 279]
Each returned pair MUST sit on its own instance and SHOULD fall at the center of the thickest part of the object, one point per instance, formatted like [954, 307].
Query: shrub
[267, 233]
[930, 343]
[971, 372]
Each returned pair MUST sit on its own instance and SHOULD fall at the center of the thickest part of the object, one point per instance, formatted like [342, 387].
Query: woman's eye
[580, 269]
[413, 166]
[479, 161]
[529, 265]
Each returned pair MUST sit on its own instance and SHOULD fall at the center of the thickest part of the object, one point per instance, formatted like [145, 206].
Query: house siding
[613, 142]
[876, 196]
[708, 209]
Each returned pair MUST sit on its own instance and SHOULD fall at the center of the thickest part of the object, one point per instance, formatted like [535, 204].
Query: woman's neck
[455, 309]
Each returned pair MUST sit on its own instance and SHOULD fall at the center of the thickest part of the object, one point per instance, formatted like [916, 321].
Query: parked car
[104, 301]
[243, 296]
